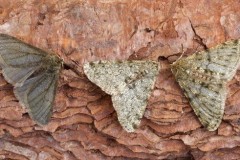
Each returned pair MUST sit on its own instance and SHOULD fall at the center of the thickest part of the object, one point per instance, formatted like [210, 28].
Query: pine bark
[84, 124]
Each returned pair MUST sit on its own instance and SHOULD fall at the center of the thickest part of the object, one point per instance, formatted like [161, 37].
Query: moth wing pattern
[129, 83]
[222, 60]
[37, 95]
[203, 77]
[208, 104]
[17, 76]
[31, 71]
[18, 60]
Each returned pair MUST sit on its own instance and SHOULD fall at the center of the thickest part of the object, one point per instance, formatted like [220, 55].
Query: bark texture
[84, 124]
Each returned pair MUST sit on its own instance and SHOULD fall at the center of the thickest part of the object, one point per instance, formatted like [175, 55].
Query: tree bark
[84, 124]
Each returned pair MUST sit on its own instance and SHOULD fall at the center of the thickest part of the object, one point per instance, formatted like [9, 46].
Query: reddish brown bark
[84, 123]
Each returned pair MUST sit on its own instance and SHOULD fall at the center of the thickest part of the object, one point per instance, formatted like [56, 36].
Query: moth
[129, 83]
[33, 73]
[203, 77]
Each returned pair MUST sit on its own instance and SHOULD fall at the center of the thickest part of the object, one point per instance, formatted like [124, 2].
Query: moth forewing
[33, 73]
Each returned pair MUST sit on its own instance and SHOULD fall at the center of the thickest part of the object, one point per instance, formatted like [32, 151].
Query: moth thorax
[177, 70]
[53, 60]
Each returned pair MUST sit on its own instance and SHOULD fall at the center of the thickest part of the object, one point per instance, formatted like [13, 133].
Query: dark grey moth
[203, 77]
[33, 73]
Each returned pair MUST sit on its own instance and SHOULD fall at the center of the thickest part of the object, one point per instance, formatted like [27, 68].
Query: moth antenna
[183, 52]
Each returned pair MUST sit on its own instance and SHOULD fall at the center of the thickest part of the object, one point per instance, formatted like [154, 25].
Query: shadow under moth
[203, 77]
[33, 73]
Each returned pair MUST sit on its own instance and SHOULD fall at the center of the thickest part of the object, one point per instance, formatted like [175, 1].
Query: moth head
[180, 66]
[175, 66]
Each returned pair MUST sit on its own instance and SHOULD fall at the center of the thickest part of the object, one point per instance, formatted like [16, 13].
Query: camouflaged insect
[129, 83]
[203, 77]
[33, 73]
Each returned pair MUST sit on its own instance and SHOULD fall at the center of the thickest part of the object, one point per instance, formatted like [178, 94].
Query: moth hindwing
[33, 73]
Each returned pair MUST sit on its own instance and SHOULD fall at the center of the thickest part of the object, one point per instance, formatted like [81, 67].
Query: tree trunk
[84, 124]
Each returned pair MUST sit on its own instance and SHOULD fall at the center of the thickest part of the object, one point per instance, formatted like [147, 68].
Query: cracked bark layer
[84, 123]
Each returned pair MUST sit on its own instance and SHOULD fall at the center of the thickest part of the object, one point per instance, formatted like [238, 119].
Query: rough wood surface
[84, 123]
